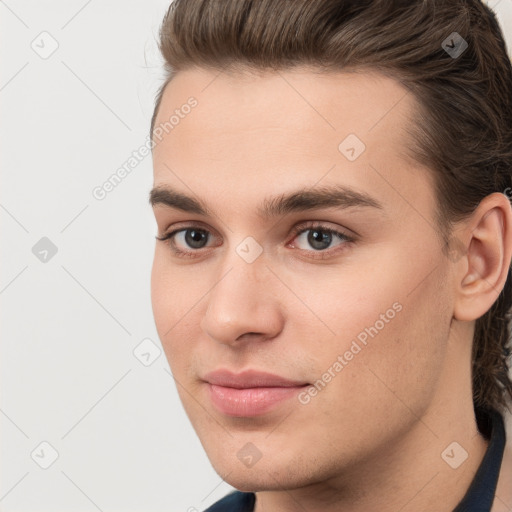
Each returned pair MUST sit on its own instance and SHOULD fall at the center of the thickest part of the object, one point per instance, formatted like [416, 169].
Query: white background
[70, 324]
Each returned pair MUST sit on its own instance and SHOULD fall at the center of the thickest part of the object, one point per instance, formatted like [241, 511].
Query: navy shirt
[478, 498]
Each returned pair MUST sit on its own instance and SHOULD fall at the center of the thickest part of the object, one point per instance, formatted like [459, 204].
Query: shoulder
[236, 501]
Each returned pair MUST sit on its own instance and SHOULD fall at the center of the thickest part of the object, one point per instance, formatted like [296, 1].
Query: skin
[378, 428]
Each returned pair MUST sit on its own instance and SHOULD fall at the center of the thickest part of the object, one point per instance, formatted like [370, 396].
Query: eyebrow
[297, 201]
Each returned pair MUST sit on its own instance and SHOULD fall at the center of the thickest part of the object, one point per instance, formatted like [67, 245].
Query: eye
[186, 242]
[320, 237]
[193, 237]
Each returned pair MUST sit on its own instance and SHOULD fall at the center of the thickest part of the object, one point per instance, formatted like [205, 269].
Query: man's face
[365, 317]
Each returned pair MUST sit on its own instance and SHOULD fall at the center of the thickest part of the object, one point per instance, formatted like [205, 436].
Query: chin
[263, 476]
[252, 481]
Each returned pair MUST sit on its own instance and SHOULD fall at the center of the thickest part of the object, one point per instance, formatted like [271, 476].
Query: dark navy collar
[480, 495]
[236, 501]
[478, 498]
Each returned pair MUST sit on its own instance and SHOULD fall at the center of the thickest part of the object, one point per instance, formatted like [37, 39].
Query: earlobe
[487, 260]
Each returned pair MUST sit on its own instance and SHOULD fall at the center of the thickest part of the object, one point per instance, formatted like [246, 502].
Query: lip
[250, 379]
[250, 393]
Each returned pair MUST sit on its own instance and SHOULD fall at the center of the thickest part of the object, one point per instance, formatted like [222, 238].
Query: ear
[482, 271]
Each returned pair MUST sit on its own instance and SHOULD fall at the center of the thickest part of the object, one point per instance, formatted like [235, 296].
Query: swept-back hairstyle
[462, 128]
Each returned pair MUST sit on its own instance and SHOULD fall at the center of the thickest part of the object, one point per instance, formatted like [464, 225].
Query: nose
[243, 304]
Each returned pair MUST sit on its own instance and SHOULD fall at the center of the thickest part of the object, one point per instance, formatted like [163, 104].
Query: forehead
[363, 96]
[362, 91]
[284, 127]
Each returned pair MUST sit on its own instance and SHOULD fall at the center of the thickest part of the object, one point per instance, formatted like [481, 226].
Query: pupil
[195, 237]
[317, 244]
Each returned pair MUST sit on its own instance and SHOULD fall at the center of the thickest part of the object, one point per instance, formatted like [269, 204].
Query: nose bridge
[246, 262]
[239, 285]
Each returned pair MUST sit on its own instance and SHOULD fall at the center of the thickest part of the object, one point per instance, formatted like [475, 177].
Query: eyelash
[297, 230]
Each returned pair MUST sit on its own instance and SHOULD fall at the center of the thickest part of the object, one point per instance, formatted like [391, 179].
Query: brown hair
[463, 130]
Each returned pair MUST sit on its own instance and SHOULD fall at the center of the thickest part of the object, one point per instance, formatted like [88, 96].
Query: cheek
[418, 347]
[161, 299]
[397, 376]
[173, 296]
[390, 326]
[174, 290]
[342, 305]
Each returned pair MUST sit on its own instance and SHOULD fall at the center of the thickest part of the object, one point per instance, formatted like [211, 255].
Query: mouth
[250, 393]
